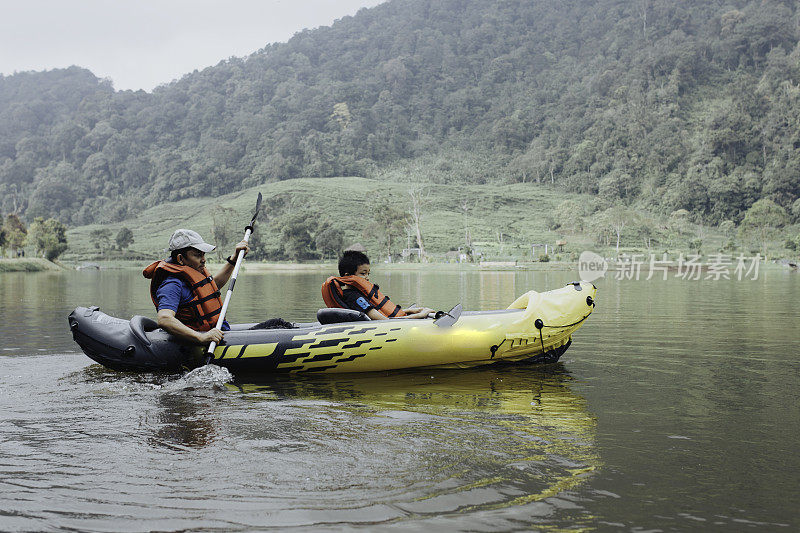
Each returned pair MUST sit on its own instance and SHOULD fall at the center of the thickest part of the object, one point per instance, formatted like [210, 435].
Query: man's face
[363, 271]
[194, 259]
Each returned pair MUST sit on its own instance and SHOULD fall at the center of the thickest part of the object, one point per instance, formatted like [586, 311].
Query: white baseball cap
[186, 238]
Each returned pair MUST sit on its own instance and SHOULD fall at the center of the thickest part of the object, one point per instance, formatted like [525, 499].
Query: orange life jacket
[332, 294]
[198, 314]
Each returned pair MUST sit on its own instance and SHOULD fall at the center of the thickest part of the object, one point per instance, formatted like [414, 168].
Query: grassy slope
[27, 264]
[514, 209]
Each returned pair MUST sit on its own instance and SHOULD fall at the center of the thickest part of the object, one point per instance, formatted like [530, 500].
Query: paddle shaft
[239, 258]
[231, 285]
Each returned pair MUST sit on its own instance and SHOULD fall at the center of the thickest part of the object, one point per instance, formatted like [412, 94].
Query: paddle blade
[449, 318]
[258, 210]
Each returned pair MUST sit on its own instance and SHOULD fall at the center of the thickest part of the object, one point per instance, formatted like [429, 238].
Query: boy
[353, 290]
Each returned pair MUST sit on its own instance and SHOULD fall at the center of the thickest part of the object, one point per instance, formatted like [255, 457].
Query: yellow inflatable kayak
[536, 327]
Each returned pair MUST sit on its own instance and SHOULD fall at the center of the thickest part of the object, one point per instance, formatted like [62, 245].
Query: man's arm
[374, 314]
[168, 322]
[225, 272]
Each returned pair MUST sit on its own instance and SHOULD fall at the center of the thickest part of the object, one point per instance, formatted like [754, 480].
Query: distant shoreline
[37, 264]
[28, 264]
[278, 266]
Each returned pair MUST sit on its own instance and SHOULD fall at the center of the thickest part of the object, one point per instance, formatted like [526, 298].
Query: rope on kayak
[495, 347]
[564, 326]
[539, 324]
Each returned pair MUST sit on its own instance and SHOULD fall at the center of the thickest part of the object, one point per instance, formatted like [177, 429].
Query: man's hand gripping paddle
[239, 258]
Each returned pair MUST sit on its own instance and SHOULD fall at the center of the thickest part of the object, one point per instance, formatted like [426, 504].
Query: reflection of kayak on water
[537, 327]
[539, 391]
[494, 436]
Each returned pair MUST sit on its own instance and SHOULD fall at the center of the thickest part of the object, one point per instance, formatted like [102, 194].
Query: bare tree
[644, 6]
[614, 219]
[418, 200]
[465, 208]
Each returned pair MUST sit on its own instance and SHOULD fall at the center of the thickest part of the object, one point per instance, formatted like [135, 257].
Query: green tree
[124, 238]
[296, 231]
[679, 228]
[342, 115]
[762, 220]
[16, 233]
[49, 236]
[54, 194]
[726, 227]
[617, 185]
[569, 216]
[728, 230]
[258, 250]
[796, 210]
[101, 239]
[328, 240]
[387, 225]
[648, 230]
[222, 231]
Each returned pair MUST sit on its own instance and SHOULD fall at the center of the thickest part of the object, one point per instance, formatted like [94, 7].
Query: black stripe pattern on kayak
[328, 343]
[322, 357]
[356, 344]
[343, 329]
[351, 358]
[316, 369]
[334, 350]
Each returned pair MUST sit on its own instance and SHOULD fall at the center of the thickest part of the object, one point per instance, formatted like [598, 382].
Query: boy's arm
[418, 312]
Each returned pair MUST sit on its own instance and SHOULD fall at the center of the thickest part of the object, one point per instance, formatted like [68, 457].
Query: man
[186, 297]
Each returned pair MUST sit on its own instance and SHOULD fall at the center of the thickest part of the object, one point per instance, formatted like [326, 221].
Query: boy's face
[363, 271]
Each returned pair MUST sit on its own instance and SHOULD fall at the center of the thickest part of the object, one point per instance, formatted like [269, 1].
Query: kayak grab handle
[140, 325]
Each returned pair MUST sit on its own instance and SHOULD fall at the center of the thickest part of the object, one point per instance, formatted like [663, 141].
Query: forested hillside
[659, 103]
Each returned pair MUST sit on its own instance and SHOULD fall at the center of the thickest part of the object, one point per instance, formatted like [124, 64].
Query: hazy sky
[143, 43]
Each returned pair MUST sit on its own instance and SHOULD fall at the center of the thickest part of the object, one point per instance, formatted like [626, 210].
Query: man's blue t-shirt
[173, 292]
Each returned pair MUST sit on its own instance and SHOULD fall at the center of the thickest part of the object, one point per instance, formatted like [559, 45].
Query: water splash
[107, 381]
[204, 376]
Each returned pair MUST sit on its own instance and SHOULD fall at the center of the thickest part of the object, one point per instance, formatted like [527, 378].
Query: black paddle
[239, 258]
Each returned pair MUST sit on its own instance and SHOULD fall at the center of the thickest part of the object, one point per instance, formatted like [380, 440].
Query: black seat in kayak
[140, 325]
[335, 316]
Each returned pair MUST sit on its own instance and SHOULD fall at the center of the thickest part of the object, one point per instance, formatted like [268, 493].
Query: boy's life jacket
[198, 314]
[332, 293]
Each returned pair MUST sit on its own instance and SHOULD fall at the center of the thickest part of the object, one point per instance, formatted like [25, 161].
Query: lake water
[676, 408]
